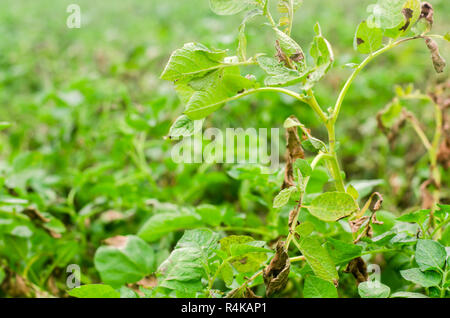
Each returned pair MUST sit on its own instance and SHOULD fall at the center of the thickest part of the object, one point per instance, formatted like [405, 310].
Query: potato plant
[322, 235]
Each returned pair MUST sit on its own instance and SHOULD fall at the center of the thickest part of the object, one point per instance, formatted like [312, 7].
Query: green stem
[352, 77]
[244, 229]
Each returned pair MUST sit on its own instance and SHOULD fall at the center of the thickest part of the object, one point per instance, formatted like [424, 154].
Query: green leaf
[410, 11]
[194, 59]
[367, 40]
[283, 197]
[214, 90]
[415, 217]
[242, 39]
[94, 291]
[430, 255]
[316, 287]
[228, 7]
[226, 273]
[303, 166]
[353, 192]
[318, 258]
[182, 127]
[247, 255]
[227, 242]
[424, 279]
[210, 214]
[386, 14]
[447, 36]
[407, 295]
[390, 114]
[321, 50]
[161, 224]
[373, 290]
[184, 269]
[332, 206]
[128, 262]
[342, 252]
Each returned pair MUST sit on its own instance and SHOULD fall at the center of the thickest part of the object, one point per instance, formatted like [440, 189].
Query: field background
[89, 112]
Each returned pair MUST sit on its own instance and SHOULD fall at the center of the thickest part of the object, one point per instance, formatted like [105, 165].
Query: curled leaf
[427, 12]
[294, 152]
[357, 267]
[277, 272]
[438, 60]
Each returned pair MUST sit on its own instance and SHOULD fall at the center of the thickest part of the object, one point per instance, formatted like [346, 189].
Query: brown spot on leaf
[243, 260]
[359, 41]
[297, 57]
[408, 14]
[277, 272]
[358, 268]
[282, 57]
[427, 12]
[112, 215]
[438, 60]
[118, 241]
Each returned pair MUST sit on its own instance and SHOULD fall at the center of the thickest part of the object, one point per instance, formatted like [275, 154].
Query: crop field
[224, 149]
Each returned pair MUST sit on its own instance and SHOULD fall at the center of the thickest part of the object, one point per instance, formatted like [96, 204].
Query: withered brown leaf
[358, 268]
[277, 272]
[438, 61]
[294, 152]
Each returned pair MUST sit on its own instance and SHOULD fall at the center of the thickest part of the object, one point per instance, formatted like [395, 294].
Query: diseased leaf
[430, 255]
[438, 60]
[373, 290]
[94, 291]
[424, 279]
[358, 268]
[280, 74]
[316, 287]
[367, 40]
[386, 14]
[332, 206]
[276, 273]
[127, 262]
[246, 254]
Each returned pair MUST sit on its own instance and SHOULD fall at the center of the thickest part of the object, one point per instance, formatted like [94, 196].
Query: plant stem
[352, 77]
[297, 208]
